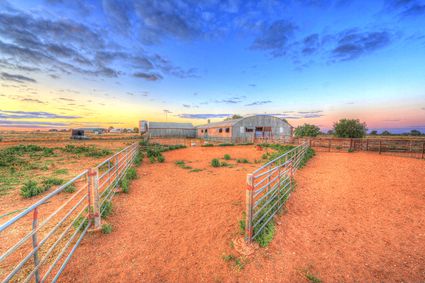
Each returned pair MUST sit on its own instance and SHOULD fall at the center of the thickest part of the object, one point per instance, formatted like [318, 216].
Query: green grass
[152, 159]
[89, 151]
[227, 157]
[195, 170]
[70, 188]
[61, 171]
[106, 228]
[106, 209]
[30, 189]
[182, 164]
[81, 220]
[52, 181]
[238, 262]
[215, 162]
[161, 159]
[226, 144]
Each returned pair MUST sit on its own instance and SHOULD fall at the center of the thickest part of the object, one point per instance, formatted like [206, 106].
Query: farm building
[246, 129]
[167, 129]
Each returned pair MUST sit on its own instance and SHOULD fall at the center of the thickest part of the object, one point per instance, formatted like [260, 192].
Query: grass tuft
[106, 228]
[215, 163]
[227, 157]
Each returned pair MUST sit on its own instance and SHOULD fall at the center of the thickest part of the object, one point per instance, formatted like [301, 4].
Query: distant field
[15, 136]
[45, 156]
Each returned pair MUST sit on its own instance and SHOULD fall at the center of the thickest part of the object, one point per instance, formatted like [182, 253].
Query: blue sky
[89, 63]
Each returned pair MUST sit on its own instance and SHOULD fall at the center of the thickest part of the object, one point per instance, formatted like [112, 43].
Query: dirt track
[353, 218]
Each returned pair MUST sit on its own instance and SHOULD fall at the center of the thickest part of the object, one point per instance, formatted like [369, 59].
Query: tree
[374, 133]
[330, 132]
[307, 130]
[235, 116]
[386, 133]
[135, 129]
[415, 133]
[350, 128]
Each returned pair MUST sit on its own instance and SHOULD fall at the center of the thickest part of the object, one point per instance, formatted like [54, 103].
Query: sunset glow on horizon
[113, 63]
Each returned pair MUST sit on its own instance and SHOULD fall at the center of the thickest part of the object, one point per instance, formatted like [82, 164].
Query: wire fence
[268, 189]
[38, 242]
[412, 147]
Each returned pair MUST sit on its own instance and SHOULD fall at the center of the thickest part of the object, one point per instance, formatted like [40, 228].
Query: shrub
[226, 144]
[207, 145]
[106, 209]
[138, 158]
[31, 189]
[81, 220]
[152, 159]
[106, 228]
[227, 157]
[350, 150]
[242, 160]
[131, 174]
[215, 162]
[61, 171]
[307, 130]
[350, 128]
[161, 159]
[52, 181]
[124, 184]
[70, 188]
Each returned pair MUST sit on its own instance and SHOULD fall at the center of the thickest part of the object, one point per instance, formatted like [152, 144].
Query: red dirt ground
[355, 217]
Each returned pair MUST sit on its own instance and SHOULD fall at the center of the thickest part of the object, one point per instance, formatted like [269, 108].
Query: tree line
[345, 128]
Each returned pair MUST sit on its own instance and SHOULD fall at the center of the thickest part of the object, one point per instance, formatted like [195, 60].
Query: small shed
[78, 134]
[168, 129]
[246, 129]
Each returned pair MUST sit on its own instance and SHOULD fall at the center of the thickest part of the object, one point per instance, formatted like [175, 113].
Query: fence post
[249, 204]
[367, 145]
[93, 197]
[329, 146]
[380, 144]
[35, 242]
[423, 150]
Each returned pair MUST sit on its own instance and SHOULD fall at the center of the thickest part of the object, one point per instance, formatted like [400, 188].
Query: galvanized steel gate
[268, 188]
[51, 234]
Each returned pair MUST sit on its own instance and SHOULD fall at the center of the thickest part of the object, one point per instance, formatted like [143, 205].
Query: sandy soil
[355, 217]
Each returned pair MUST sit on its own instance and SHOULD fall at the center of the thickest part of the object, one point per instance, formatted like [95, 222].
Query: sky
[68, 64]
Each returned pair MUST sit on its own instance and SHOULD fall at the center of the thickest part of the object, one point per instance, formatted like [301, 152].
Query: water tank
[143, 126]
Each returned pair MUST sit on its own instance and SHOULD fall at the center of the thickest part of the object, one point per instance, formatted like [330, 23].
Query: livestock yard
[188, 210]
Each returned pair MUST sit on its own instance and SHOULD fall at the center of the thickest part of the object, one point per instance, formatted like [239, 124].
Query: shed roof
[227, 123]
[170, 125]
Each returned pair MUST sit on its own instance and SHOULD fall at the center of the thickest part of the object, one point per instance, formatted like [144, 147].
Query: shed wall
[278, 128]
[172, 132]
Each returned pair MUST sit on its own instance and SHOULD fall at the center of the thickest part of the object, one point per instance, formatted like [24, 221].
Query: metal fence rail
[48, 235]
[268, 188]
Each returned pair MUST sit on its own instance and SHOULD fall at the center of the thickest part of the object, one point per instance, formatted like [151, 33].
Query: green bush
[138, 158]
[106, 209]
[307, 130]
[70, 188]
[161, 159]
[350, 128]
[30, 189]
[215, 162]
[152, 159]
[52, 181]
[124, 184]
[227, 157]
[207, 145]
[242, 160]
[131, 173]
[183, 165]
[106, 228]
[81, 220]
[226, 144]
